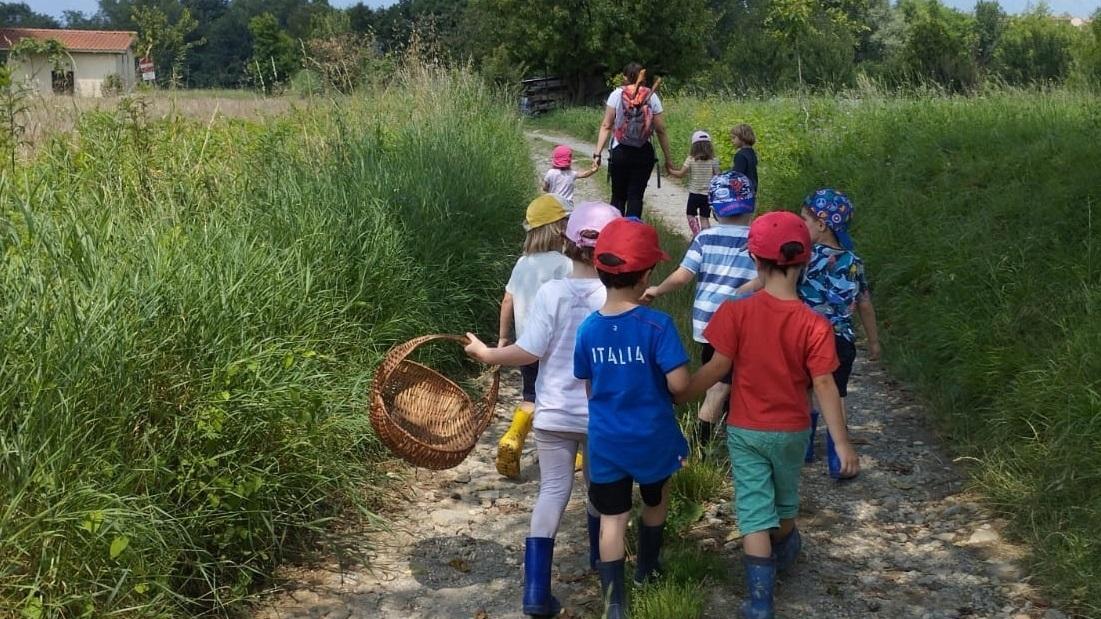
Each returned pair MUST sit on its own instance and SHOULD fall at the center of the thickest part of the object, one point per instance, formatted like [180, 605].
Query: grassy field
[192, 312]
[975, 218]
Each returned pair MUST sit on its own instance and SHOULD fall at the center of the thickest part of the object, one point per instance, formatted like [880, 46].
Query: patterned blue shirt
[832, 284]
[720, 259]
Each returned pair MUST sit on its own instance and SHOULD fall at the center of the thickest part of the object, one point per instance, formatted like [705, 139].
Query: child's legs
[655, 502]
[613, 501]
[712, 408]
[754, 488]
[786, 452]
[556, 454]
[705, 216]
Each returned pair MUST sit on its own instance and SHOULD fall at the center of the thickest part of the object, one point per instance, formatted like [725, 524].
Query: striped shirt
[720, 259]
[700, 173]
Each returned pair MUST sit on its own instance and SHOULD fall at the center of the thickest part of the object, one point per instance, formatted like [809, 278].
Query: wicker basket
[424, 417]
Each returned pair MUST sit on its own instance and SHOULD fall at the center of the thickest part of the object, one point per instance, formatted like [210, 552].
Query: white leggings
[557, 451]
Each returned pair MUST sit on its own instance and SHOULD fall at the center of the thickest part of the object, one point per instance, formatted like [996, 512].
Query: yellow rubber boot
[512, 443]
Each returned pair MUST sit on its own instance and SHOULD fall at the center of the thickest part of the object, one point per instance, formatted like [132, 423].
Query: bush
[192, 318]
[112, 85]
[306, 83]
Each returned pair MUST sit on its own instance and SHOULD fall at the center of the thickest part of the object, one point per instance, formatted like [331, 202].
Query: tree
[989, 26]
[274, 58]
[19, 15]
[939, 45]
[1087, 61]
[166, 42]
[1035, 48]
[802, 26]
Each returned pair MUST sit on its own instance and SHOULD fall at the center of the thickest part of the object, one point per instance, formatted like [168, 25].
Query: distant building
[93, 57]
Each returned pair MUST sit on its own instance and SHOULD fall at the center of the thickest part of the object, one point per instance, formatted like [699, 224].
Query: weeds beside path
[903, 540]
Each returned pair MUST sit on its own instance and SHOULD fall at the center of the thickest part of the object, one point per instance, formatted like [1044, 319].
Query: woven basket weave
[422, 416]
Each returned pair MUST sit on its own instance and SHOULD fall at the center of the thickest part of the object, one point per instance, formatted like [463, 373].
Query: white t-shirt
[561, 182]
[613, 102]
[560, 307]
[529, 274]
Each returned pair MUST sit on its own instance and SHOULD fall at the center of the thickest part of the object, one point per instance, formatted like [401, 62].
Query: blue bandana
[835, 210]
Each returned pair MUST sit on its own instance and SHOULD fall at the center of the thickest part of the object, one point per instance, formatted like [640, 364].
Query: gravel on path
[905, 539]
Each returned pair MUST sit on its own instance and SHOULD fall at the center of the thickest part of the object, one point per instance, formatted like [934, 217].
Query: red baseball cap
[771, 231]
[630, 244]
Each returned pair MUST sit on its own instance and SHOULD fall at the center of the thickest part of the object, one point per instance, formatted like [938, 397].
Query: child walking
[778, 348]
[632, 361]
[561, 409]
[719, 261]
[699, 167]
[541, 262]
[833, 285]
[745, 159]
[560, 179]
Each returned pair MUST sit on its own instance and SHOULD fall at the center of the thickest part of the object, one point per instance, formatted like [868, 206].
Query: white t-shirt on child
[529, 274]
[561, 182]
[559, 309]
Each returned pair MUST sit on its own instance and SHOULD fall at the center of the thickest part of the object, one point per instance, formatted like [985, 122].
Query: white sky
[1080, 8]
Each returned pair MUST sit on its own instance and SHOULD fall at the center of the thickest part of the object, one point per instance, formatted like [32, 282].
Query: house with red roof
[91, 60]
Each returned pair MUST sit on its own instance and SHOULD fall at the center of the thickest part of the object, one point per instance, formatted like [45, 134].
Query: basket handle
[398, 353]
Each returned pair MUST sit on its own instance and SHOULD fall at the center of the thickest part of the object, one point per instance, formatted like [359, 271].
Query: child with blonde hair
[561, 409]
[699, 167]
[541, 262]
[560, 179]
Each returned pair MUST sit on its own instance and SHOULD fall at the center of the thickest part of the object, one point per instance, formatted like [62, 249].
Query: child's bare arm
[677, 172]
[676, 280]
[712, 372]
[677, 380]
[512, 356]
[825, 390]
[505, 325]
[750, 287]
[867, 318]
[589, 172]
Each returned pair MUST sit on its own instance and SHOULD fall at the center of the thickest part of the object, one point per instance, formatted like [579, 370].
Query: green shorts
[766, 468]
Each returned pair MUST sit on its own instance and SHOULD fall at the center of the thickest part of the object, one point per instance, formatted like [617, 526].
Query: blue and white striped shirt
[719, 257]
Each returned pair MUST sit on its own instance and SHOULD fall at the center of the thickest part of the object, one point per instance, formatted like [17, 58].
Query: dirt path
[904, 540]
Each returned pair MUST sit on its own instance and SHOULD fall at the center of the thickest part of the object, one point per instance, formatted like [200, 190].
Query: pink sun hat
[562, 156]
[587, 220]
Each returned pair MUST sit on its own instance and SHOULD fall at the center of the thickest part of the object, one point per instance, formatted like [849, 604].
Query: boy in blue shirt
[632, 360]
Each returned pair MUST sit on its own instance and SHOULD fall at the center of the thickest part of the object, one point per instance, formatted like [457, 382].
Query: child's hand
[502, 342]
[850, 462]
[874, 351]
[476, 349]
[648, 296]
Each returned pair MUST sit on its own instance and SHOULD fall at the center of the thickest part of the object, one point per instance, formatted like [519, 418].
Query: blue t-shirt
[633, 430]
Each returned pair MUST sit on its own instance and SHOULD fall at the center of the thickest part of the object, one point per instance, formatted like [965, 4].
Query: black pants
[698, 206]
[630, 168]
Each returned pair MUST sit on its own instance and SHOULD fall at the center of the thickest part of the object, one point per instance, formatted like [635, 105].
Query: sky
[1080, 8]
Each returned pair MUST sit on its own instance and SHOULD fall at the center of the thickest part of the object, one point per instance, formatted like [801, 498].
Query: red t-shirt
[776, 347]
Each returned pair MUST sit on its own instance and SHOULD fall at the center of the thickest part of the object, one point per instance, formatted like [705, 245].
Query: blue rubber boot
[810, 443]
[594, 540]
[787, 550]
[538, 601]
[760, 579]
[648, 566]
[832, 461]
[613, 589]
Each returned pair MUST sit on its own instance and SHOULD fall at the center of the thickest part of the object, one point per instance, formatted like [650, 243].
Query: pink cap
[587, 220]
[561, 156]
[701, 136]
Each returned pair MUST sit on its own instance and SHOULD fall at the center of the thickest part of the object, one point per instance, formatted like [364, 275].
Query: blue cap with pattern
[835, 210]
[731, 194]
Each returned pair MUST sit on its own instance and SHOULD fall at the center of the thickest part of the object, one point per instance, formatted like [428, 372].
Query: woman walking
[632, 116]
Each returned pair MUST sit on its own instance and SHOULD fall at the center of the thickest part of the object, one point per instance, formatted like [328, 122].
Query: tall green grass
[976, 218]
[191, 316]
